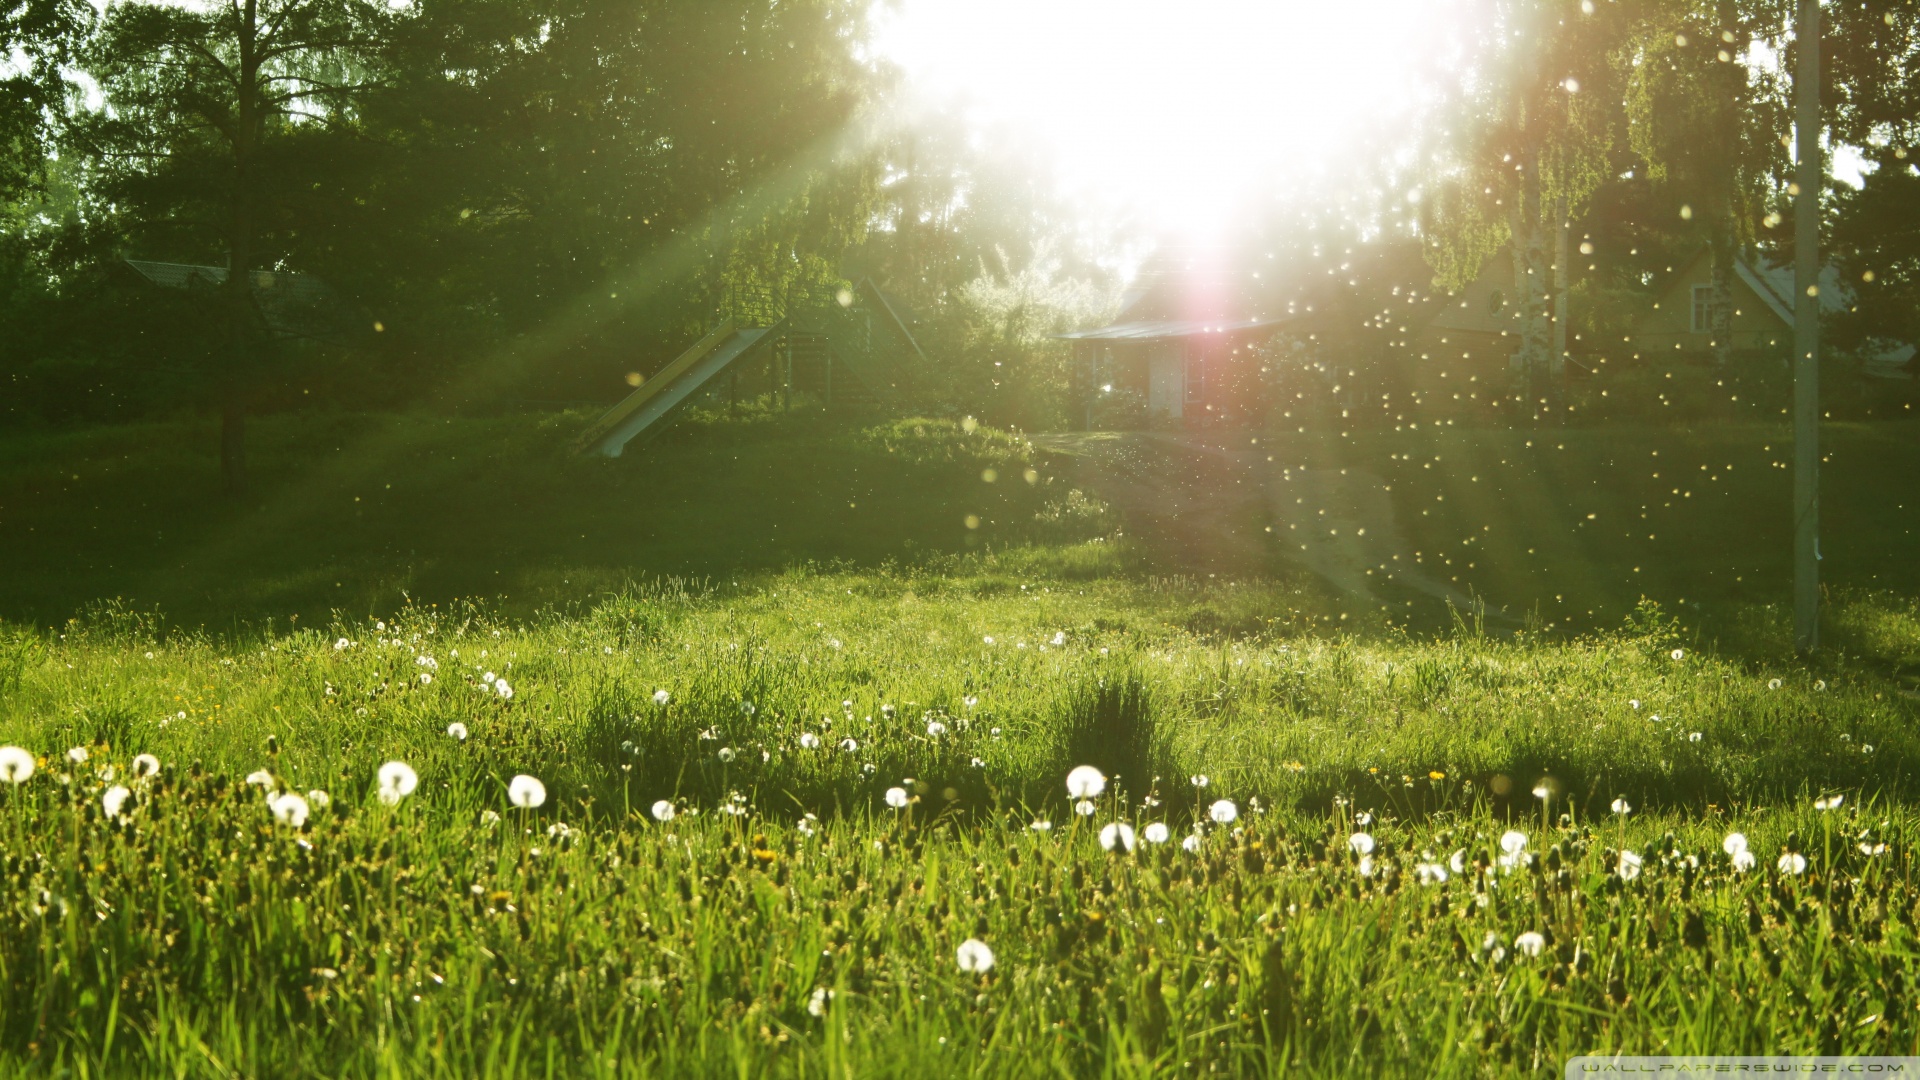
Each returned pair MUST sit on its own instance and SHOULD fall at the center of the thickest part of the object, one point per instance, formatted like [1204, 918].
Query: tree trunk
[1530, 292]
[233, 442]
[1720, 291]
[240, 312]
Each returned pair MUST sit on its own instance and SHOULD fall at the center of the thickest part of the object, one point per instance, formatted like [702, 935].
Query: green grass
[457, 935]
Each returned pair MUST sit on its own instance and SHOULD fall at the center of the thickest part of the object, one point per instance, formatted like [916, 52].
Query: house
[1680, 322]
[1475, 332]
[1181, 352]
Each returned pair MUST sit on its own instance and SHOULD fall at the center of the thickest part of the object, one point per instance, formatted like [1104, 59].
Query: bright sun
[1179, 111]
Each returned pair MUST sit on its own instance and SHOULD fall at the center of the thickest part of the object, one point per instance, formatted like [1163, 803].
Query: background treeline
[518, 202]
[510, 201]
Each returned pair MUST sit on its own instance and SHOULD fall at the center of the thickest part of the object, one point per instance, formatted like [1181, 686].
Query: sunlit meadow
[993, 819]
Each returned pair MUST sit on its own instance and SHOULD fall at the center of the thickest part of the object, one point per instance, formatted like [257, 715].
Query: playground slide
[657, 398]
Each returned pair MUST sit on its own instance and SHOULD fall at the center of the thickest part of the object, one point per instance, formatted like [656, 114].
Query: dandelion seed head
[1117, 834]
[1743, 861]
[526, 792]
[458, 730]
[662, 810]
[1156, 832]
[113, 800]
[1084, 808]
[16, 764]
[1734, 843]
[1430, 873]
[1086, 782]
[397, 781]
[1792, 863]
[1529, 944]
[809, 741]
[974, 957]
[77, 755]
[145, 765]
[1223, 811]
[1622, 806]
[661, 697]
[1360, 844]
[897, 797]
[935, 729]
[1513, 841]
[288, 809]
[1629, 865]
[320, 800]
[1829, 802]
[1041, 825]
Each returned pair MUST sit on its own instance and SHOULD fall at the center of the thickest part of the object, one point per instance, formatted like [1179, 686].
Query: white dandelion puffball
[1458, 860]
[16, 764]
[1366, 866]
[1156, 833]
[1116, 834]
[425, 678]
[114, 799]
[1198, 780]
[817, 1004]
[1084, 808]
[1223, 812]
[1622, 806]
[145, 765]
[1693, 736]
[320, 799]
[1513, 842]
[935, 729]
[458, 730]
[397, 781]
[1678, 654]
[261, 778]
[974, 957]
[661, 697]
[1734, 844]
[1191, 844]
[288, 809]
[1830, 802]
[1360, 844]
[809, 741]
[1773, 684]
[897, 797]
[1530, 943]
[77, 755]
[342, 644]
[500, 687]
[1430, 873]
[1363, 819]
[1086, 782]
[1792, 863]
[663, 811]
[1629, 867]
[1041, 825]
[1743, 861]
[849, 745]
[526, 792]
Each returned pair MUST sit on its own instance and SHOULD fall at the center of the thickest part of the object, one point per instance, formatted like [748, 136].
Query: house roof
[1774, 284]
[1152, 329]
[1182, 293]
[292, 305]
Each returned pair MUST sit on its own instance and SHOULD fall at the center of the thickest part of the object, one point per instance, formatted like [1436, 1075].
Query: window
[1702, 309]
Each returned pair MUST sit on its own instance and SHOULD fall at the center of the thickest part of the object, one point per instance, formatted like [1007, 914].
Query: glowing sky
[1179, 110]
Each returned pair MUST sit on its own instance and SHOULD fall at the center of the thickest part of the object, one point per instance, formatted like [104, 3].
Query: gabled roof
[1180, 294]
[1774, 285]
[292, 305]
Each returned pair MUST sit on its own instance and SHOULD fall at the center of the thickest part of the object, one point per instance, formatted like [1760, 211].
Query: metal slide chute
[644, 410]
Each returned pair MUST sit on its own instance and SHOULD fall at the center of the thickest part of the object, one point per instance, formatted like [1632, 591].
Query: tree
[204, 96]
[1531, 139]
[1709, 126]
[44, 36]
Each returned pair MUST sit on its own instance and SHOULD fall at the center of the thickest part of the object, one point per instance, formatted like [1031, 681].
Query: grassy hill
[797, 726]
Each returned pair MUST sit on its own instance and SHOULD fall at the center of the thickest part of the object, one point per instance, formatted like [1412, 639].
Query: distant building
[1180, 352]
[1681, 318]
